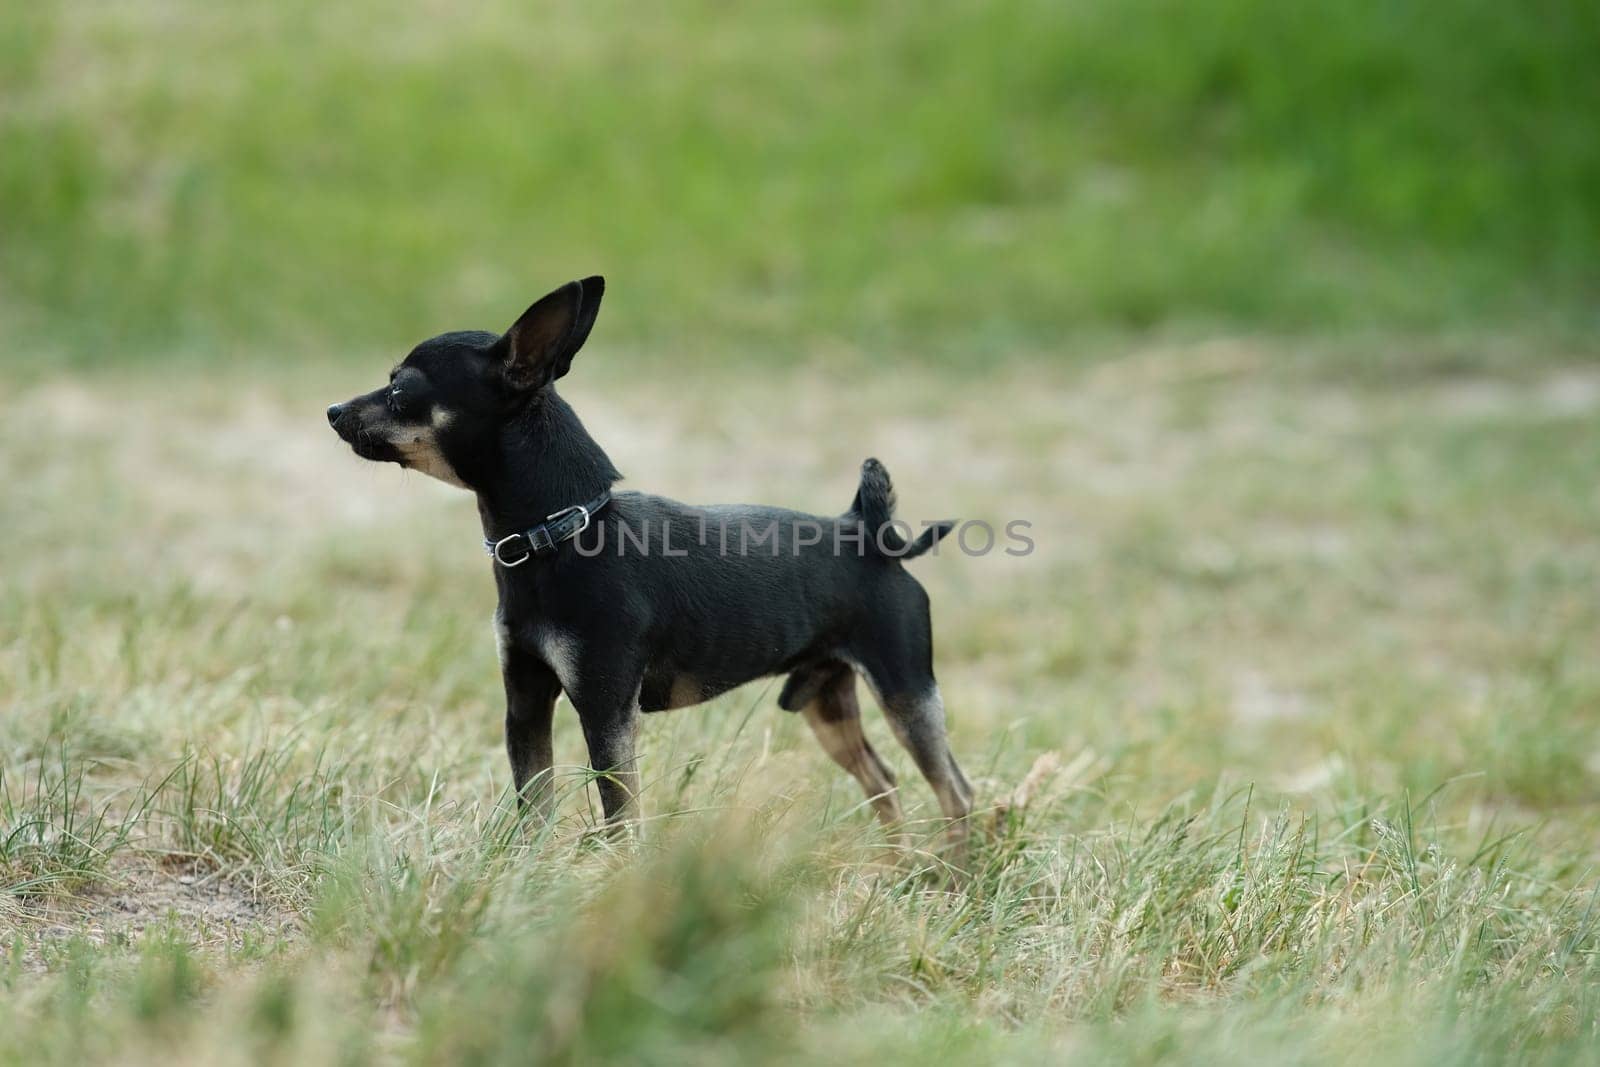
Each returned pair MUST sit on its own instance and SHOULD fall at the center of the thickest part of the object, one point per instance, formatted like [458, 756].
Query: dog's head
[445, 403]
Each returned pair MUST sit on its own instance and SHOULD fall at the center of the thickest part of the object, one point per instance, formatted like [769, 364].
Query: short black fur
[659, 604]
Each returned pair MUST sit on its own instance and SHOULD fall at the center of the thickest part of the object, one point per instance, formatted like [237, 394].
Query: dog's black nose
[334, 411]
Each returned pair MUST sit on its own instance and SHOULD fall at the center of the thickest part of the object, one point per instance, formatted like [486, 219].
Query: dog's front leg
[608, 707]
[531, 691]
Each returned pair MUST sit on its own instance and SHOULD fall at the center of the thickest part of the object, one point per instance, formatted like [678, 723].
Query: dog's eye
[394, 400]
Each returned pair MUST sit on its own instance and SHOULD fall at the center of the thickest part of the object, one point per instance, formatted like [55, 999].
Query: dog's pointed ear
[539, 348]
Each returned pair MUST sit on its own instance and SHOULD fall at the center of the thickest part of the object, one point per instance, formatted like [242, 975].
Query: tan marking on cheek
[419, 448]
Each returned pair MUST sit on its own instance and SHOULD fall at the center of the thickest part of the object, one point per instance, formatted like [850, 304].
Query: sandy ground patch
[138, 894]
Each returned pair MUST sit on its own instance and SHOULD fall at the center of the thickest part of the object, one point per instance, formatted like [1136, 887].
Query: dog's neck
[546, 461]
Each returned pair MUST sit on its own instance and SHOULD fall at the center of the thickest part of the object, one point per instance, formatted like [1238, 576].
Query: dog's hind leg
[895, 653]
[826, 695]
[915, 710]
[917, 719]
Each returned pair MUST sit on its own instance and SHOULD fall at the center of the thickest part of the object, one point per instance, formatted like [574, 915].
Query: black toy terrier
[630, 602]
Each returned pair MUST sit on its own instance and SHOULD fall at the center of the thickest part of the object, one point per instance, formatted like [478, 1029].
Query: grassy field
[1287, 738]
[1276, 321]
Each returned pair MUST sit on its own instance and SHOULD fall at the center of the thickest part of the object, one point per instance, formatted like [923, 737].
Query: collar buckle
[546, 537]
[496, 550]
[564, 512]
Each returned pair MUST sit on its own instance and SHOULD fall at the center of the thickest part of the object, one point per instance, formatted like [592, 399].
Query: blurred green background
[931, 180]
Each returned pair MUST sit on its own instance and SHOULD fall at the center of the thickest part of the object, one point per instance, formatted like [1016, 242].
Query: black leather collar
[546, 537]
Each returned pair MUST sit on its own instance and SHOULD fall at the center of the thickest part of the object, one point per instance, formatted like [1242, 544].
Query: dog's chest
[560, 652]
[558, 649]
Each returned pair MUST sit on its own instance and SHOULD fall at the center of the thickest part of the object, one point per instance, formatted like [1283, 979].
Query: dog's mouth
[364, 442]
[368, 445]
[412, 447]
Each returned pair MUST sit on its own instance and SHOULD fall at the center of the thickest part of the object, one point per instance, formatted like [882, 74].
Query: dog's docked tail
[874, 506]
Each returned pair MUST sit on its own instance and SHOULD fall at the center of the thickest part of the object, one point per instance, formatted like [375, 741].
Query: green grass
[944, 181]
[1312, 654]
[1275, 320]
